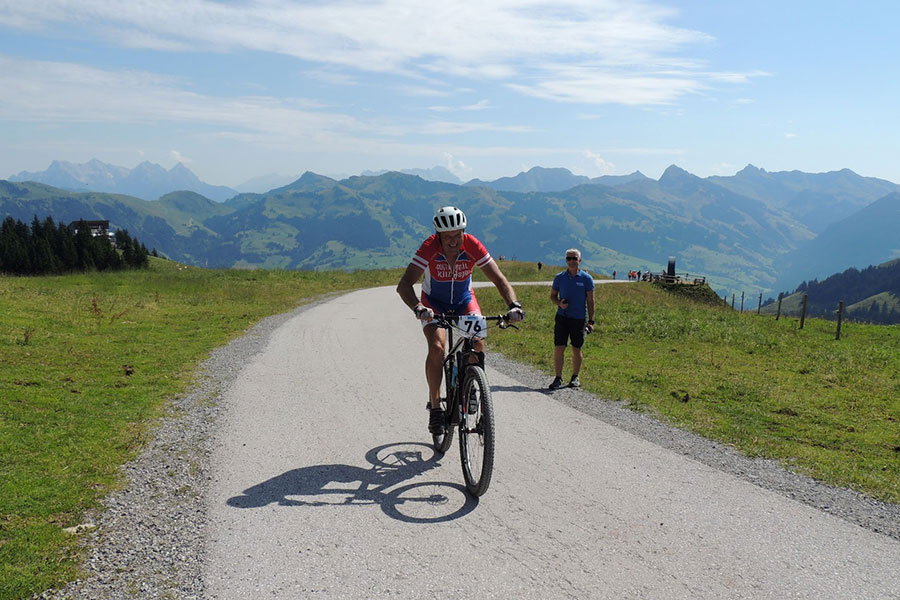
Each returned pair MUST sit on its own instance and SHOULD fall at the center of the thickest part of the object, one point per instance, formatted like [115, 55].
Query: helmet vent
[449, 218]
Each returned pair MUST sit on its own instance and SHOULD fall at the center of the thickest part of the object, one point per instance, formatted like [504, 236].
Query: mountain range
[754, 231]
[432, 174]
[148, 180]
[540, 179]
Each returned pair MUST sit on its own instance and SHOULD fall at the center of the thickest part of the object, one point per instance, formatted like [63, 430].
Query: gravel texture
[148, 542]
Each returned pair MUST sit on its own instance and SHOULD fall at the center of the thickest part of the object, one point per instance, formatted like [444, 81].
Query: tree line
[852, 286]
[47, 248]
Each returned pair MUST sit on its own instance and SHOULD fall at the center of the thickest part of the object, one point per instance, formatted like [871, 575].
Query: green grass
[828, 408]
[87, 362]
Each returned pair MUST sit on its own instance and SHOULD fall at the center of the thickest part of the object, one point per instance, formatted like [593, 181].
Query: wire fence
[804, 301]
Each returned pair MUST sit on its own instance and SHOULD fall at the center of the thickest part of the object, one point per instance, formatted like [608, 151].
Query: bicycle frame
[459, 356]
[460, 360]
[468, 406]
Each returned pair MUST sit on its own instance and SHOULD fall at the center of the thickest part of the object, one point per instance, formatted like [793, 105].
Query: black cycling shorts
[566, 329]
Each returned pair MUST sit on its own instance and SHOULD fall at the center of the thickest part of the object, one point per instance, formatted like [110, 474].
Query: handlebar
[445, 322]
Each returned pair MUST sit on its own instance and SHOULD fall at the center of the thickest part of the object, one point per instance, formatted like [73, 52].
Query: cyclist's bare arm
[405, 287]
[492, 272]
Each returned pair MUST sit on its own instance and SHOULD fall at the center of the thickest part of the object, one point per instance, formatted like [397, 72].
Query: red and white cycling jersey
[445, 288]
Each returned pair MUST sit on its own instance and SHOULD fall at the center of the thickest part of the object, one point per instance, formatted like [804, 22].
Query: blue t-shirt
[573, 288]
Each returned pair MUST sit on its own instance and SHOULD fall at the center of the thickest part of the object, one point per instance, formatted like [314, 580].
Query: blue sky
[236, 89]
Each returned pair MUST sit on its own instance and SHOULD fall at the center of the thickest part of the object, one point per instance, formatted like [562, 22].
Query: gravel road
[299, 468]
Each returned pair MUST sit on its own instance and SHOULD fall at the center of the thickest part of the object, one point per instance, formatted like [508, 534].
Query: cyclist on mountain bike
[447, 259]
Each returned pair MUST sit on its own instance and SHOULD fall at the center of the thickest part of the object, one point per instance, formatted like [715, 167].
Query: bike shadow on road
[387, 483]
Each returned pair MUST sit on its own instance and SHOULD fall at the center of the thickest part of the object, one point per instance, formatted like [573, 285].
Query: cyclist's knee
[435, 350]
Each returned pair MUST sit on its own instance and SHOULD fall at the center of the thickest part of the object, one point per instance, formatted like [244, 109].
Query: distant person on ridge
[573, 294]
[447, 259]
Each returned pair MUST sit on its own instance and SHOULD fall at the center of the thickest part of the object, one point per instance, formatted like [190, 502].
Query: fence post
[778, 314]
[803, 311]
[742, 302]
[840, 315]
[759, 306]
[732, 301]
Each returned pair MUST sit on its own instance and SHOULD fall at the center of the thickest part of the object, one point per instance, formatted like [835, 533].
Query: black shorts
[565, 329]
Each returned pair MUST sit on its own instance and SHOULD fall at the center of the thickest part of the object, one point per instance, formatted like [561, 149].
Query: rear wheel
[442, 442]
[476, 438]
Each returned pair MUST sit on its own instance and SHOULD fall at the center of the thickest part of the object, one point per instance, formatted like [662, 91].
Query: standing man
[573, 293]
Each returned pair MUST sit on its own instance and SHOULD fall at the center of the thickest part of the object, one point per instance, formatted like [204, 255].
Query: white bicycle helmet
[449, 218]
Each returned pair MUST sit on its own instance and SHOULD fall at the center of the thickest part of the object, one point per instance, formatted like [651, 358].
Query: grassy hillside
[883, 299]
[869, 295]
[791, 305]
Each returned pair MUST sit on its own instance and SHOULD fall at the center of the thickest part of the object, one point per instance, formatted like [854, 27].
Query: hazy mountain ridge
[433, 174]
[147, 180]
[813, 199]
[263, 183]
[542, 179]
[868, 236]
[739, 241]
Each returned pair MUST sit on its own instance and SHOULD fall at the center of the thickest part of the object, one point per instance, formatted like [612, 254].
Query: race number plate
[472, 326]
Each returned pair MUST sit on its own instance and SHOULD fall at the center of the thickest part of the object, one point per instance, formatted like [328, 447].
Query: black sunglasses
[571, 258]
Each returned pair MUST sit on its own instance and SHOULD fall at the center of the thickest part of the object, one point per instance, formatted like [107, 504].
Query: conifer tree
[65, 249]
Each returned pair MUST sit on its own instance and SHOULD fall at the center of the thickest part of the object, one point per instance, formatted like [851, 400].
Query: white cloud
[589, 51]
[178, 157]
[602, 166]
[459, 127]
[63, 92]
[584, 85]
[422, 91]
[457, 167]
[480, 105]
[639, 151]
[331, 77]
[790, 135]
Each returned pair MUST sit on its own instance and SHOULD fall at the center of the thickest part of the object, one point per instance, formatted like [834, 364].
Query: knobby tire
[476, 448]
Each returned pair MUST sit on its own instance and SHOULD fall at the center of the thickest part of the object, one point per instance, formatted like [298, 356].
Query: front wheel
[476, 438]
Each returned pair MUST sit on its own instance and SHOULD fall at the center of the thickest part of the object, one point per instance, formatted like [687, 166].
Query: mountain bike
[468, 407]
